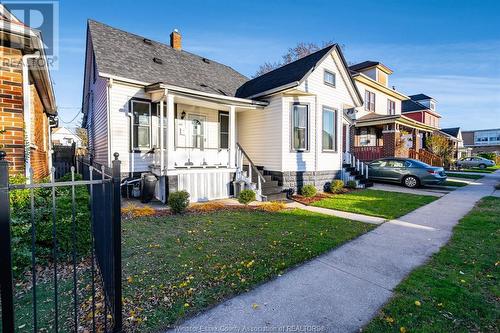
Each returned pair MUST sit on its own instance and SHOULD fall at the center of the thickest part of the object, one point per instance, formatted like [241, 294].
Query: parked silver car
[474, 162]
[408, 172]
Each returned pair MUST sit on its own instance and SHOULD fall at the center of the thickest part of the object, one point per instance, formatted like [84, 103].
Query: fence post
[117, 244]
[5, 249]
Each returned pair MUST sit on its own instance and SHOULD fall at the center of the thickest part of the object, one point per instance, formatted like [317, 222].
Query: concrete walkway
[339, 213]
[343, 289]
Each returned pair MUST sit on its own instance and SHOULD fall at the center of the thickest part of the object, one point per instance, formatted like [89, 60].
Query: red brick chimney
[175, 40]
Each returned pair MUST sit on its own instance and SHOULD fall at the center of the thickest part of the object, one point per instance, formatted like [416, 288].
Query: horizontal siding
[259, 133]
[380, 101]
[99, 121]
[120, 95]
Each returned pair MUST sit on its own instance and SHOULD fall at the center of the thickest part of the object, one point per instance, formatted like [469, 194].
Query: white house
[64, 137]
[200, 126]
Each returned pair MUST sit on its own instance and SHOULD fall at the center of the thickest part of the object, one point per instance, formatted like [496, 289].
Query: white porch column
[232, 136]
[170, 132]
[162, 143]
[347, 137]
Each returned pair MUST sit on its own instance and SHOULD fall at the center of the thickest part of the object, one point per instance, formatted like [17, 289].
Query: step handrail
[251, 163]
[356, 163]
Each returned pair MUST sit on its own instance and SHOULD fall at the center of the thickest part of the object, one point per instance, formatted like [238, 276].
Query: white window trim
[334, 84]
[308, 129]
[335, 129]
[133, 132]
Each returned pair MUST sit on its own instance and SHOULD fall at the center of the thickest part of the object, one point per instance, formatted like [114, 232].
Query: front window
[369, 101]
[391, 107]
[197, 133]
[300, 127]
[329, 132]
[329, 78]
[141, 125]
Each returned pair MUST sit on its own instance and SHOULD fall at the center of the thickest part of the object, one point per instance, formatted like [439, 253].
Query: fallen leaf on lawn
[390, 320]
[402, 329]
[255, 306]
[417, 303]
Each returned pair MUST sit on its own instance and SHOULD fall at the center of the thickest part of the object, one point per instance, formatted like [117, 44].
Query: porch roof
[372, 119]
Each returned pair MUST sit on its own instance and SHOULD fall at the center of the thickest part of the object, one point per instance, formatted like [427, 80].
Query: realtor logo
[37, 18]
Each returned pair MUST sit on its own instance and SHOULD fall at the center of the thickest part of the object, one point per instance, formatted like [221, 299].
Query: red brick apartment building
[27, 103]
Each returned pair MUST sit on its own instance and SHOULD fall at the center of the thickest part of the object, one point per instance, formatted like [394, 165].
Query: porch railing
[368, 153]
[356, 163]
[241, 155]
[425, 156]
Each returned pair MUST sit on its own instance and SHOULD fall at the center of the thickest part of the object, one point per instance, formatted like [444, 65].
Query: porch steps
[350, 173]
[271, 190]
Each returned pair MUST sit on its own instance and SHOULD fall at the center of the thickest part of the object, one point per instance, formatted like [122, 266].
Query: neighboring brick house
[483, 141]
[27, 103]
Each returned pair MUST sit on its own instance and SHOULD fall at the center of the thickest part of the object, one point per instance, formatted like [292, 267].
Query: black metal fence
[104, 310]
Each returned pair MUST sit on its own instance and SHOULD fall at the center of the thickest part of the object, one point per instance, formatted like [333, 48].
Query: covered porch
[377, 136]
[196, 147]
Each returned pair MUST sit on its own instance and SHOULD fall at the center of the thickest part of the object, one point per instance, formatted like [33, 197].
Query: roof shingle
[123, 54]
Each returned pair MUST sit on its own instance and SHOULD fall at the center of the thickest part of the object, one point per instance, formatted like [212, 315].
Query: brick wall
[11, 108]
[12, 118]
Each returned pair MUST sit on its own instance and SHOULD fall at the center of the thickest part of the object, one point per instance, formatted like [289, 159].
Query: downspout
[51, 126]
[316, 133]
[27, 113]
[108, 116]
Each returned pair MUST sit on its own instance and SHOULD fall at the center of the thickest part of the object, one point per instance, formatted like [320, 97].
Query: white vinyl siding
[260, 133]
[99, 121]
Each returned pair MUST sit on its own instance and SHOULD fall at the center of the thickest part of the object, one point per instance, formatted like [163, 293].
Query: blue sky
[446, 49]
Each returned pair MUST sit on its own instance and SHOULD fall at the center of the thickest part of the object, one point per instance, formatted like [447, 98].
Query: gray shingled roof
[419, 97]
[363, 65]
[409, 105]
[126, 55]
[453, 131]
[292, 72]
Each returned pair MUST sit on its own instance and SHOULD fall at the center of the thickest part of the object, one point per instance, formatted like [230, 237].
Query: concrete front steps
[350, 173]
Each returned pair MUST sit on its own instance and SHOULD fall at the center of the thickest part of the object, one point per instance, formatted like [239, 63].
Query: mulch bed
[319, 196]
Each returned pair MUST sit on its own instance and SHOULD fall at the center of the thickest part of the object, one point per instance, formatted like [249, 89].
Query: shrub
[207, 207]
[246, 196]
[337, 186]
[273, 206]
[490, 156]
[352, 184]
[19, 199]
[178, 201]
[308, 191]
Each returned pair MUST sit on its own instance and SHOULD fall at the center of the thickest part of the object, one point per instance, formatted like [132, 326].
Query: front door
[196, 125]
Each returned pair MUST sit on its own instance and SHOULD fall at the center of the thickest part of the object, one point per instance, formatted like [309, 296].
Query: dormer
[425, 100]
[375, 70]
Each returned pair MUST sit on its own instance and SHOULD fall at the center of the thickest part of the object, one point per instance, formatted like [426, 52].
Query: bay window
[300, 127]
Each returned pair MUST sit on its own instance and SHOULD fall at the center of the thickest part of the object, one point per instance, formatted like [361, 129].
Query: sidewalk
[342, 290]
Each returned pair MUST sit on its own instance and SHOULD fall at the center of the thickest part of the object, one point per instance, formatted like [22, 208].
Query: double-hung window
[329, 78]
[391, 107]
[223, 130]
[141, 129]
[329, 135]
[369, 100]
[300, 127]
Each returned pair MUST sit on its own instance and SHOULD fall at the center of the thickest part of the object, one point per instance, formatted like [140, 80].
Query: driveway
[342, 290]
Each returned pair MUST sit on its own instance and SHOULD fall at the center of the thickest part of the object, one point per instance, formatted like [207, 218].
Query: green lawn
[458, 289]
[177, 266]
[455, 183]
[463, 175]
[385, 204]
[487, 170]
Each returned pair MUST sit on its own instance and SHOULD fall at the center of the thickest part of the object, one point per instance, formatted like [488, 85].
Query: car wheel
[482, 166]
[410, 181]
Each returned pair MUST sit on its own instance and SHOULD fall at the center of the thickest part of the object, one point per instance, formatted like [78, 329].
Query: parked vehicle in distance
[474, 162]
[408, 172]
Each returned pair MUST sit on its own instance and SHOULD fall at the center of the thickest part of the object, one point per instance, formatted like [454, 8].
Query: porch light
[183, 114]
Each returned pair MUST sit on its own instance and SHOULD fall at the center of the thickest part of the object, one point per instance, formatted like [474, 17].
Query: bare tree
[297, 52]
[82, 134]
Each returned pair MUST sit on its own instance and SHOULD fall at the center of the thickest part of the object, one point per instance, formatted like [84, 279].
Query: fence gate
[69, 232]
